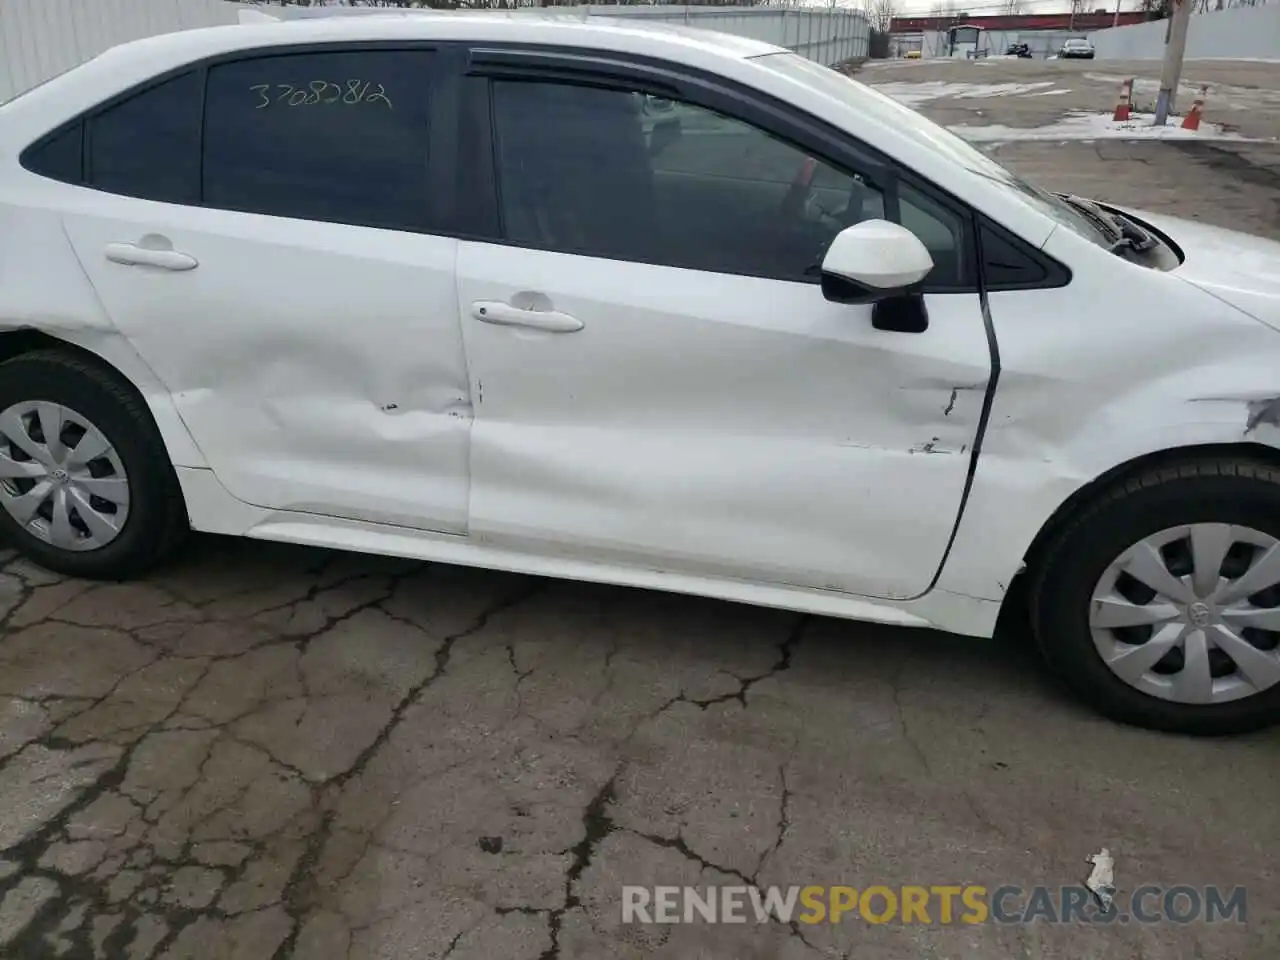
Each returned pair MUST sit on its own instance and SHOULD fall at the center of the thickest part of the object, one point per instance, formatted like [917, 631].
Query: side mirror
[874, 260]
[883, 263]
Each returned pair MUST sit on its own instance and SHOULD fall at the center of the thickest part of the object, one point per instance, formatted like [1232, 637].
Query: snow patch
[920, 92]
[1220, 94]
[1094, 126]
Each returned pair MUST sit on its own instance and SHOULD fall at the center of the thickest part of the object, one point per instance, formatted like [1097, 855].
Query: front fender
[1024, 477]
[1159, 367]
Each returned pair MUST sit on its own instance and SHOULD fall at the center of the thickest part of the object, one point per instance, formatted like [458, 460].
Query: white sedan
[646, 306]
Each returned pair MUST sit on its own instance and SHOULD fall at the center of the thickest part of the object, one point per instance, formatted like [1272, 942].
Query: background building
[1044, 33]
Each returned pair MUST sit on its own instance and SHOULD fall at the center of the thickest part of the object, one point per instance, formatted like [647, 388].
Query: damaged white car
[645, 306]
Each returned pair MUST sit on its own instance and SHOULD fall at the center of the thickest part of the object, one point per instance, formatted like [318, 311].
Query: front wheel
[1159, 603]
[86, 488]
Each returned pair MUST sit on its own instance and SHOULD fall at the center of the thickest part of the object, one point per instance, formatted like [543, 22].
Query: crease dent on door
[353, 400]
[708, 504]
[721, 426]
[328, 378]
[945, 416]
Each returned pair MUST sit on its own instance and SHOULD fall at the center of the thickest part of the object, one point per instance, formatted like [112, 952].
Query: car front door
[264, 237]
[659, 379]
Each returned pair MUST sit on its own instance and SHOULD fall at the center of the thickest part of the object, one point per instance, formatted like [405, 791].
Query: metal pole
[1116, 21]
[1175, 45]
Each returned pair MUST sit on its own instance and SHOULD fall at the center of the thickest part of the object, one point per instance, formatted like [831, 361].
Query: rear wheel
[1160, 602]
[86, 488]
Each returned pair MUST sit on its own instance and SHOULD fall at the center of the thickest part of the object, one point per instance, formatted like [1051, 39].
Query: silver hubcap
[1192, 613]
[60, 478]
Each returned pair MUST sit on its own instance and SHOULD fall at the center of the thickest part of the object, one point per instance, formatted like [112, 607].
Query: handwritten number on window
[355, 93]
[322, 92]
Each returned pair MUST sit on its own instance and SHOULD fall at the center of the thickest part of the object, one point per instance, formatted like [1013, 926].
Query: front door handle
[132, 255]
[503, 314]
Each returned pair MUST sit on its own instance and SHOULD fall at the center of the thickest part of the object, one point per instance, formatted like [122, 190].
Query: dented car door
[659, 383]
[280, 276]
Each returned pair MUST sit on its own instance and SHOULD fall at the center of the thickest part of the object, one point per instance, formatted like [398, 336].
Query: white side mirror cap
[878, 255]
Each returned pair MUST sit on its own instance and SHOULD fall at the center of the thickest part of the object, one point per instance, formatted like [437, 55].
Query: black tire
[1236, 491]
[157, 519]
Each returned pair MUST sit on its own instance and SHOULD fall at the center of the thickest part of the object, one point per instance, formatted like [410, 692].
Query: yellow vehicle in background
[913, 54]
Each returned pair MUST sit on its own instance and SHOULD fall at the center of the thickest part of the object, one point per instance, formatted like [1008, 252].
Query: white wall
[1241, 32]
[1043, 43]
[41, 38]
[827, 36]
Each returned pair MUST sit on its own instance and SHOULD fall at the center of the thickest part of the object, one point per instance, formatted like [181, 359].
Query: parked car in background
[647, 306]
[1077, 48]
[1020, 50]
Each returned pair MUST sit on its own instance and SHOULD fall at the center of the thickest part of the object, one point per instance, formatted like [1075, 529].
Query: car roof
[630, 35]
[582, 27]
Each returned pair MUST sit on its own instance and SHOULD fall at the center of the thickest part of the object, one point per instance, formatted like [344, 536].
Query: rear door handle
[132, 255]
[503, 314]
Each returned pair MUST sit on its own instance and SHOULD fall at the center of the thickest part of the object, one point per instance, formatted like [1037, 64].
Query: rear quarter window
[59, 157]
[148, 146]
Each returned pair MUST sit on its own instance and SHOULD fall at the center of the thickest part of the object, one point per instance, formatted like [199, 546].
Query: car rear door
[659, 379]
[262, 228]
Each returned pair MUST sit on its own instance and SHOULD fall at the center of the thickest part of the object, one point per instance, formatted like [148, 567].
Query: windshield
[838, 85]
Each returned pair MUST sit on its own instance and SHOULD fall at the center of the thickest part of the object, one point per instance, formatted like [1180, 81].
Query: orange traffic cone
[1192, 120]
[1125, 100]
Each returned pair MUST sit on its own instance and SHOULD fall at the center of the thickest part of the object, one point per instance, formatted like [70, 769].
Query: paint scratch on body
[1263, 412]
[930, 447]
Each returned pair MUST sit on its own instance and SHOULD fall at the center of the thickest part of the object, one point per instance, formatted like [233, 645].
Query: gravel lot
[270, 752]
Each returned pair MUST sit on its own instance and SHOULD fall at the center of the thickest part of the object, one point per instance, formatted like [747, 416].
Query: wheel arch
[1118, 474]
[133, 373]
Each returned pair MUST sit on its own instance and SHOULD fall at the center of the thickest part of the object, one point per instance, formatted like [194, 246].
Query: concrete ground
[271, 752]
[1230, 183]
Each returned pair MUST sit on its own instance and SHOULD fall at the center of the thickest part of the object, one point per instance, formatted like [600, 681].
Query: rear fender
[46, 300]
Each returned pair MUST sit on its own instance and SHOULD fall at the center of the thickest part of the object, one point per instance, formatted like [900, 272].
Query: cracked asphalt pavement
[265, 752]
